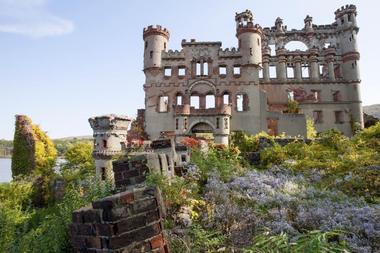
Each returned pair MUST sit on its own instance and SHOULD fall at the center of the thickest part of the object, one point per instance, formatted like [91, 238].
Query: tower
[249, 36]
[110, 139]
[155, 41]
[347, 31]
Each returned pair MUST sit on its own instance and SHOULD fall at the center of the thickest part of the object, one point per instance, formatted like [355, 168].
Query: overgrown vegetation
[32, 217]
[321, 196]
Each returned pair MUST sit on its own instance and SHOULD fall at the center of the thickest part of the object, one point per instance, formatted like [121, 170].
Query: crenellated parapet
[229, 53]
[156, 30]
[173, 55]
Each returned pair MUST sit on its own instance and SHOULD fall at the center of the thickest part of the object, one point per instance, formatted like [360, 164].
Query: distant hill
[83, 137]
[373, 110]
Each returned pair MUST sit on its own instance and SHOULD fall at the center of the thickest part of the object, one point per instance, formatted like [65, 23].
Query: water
[5, 170]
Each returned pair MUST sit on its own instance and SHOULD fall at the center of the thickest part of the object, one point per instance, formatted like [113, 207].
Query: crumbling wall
[130, 221]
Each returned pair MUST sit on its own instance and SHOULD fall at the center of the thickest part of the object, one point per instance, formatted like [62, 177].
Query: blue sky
[64, 61]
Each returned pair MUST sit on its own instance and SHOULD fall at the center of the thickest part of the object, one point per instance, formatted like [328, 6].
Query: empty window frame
[272, 50]
[151, 54]
[305, 71]
[178, 99]
[321, 67]
[146, 44]
[336, 96]
[316, 95]
[194, 101]
[205, 69]
[222, 70]
[183, 158]
[261, 73]
[327, 44]
[339, 117]
[217, 123]
[289, 71]
[105, 144]
[176, 124]
[226, 99]
[290, 95]
[167, 71]
[103, 173]
[241, 102]
[210, 101]
[163, 104]
[237, 70]
[318, 117]
[272, 72]
[181, 71]
[198, 69]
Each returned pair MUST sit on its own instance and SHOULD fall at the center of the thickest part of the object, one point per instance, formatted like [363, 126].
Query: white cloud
[31, 18]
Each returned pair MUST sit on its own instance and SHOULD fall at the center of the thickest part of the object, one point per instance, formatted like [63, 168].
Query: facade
[110, 140]
[205, 89]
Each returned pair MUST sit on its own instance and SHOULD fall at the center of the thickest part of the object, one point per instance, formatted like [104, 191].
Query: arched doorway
[202, 130]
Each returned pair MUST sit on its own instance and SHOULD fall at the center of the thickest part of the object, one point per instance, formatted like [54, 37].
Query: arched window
[210, 101]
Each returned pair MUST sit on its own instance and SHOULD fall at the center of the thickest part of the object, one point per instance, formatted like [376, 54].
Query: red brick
[156, 241]
[127, 197]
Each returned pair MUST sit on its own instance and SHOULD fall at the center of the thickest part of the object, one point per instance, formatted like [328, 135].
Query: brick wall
[130, 221]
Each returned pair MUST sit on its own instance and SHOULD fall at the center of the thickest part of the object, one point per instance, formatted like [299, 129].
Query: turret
[155, 41]
[346, 25]
[110, 139]
[347, 30]
[249, 35]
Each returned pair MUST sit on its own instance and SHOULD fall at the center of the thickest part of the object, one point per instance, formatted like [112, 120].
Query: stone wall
[130, 221]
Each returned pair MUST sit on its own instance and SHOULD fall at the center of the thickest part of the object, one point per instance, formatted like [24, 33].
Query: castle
[204, 90]
[207, 89]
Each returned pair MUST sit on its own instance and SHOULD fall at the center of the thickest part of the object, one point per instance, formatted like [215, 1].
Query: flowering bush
[282, 202]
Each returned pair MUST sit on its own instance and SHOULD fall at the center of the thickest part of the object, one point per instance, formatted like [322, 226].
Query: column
[330, 65]
[266, 69]
[202, 102]
[297, 68]
[314, 70]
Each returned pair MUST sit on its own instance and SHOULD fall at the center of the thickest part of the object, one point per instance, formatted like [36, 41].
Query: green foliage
[293, 106]
[24, 229]
[225, 160]
[206, 240]
[311, 133]
[338, 157]
[62, 145]
[23, 160]
[176, 192]
[311, 242]
[79, 163]
[33, 151]
[246, 142]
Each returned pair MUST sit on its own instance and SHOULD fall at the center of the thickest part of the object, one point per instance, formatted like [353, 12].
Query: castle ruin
[205, 89]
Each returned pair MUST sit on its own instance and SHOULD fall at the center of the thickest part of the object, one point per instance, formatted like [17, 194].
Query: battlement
[173, 54]
[229, 52]
[109, 122]
[248, 27]
[193, 42]
[156, 30]
[347, 9]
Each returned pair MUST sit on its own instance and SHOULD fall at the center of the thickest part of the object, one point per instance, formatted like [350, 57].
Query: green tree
[79, 161]
[33, 151]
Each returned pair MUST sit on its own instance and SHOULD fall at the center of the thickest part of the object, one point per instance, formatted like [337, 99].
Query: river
[5, 170]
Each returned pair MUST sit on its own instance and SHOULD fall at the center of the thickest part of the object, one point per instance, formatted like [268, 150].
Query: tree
[33, 151]
[79, 161]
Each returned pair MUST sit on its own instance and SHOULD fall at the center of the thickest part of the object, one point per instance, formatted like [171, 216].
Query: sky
[62, 62]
